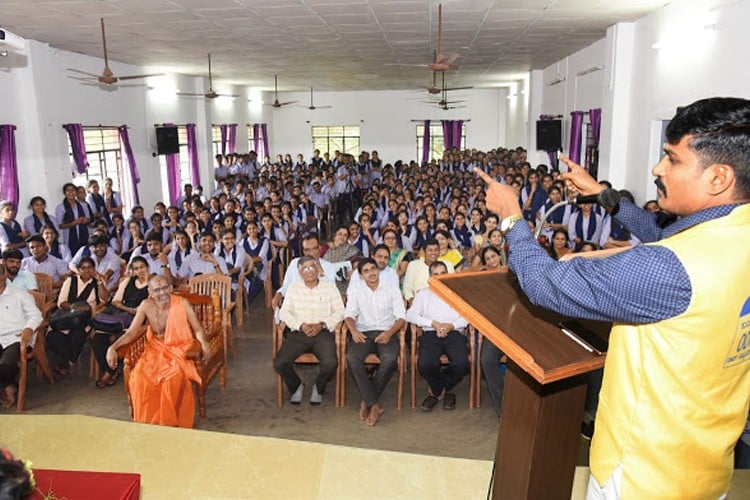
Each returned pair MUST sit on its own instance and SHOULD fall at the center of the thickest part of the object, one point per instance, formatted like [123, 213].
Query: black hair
[720, 130]
[363, 262]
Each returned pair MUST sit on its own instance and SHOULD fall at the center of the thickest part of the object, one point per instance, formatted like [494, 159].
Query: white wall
[385, 119]
[580, 87]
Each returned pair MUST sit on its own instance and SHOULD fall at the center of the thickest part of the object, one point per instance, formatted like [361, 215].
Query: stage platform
[181, 463]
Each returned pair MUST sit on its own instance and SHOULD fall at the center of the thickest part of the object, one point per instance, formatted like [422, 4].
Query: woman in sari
[399, 258]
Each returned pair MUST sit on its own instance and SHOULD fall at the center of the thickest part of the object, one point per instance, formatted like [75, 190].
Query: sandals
[107, 380]
[103, 381]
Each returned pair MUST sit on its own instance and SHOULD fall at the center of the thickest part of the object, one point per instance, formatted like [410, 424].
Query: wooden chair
[209, 313]
[207, 283]
[306, 358]
[416, 333]
[38, 352]
[44, 284]
[372, 359]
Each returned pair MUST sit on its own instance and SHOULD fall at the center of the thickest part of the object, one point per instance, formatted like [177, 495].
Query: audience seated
[374, 315]
[311, 310]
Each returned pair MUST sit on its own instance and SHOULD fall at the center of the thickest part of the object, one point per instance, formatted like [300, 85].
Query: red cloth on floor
[86, 485]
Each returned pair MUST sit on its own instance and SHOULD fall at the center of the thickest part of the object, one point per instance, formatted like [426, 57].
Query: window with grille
[344, 138]
[437, 144]
[104, 155]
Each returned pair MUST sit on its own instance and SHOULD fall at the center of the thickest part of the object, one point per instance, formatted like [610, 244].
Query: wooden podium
[545, 383]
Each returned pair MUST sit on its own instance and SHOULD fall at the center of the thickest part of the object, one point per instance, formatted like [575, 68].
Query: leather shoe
[429, 403]
[449, 402]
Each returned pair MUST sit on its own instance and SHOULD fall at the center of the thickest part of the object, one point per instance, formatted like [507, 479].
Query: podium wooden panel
[545, 383]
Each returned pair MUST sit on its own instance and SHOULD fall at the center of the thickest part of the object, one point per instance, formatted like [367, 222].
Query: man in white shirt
[442, 329]
[19, 318]
[374, 315]
[311, 311]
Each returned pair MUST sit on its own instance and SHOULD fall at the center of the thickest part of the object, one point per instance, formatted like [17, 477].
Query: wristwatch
[508, 223]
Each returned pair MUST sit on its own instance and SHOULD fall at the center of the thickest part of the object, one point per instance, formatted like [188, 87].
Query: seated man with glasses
[311, 311]
[310, 248]
[160, 384]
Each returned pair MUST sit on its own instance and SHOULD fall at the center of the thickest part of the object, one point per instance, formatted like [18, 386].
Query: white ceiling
[331, 44]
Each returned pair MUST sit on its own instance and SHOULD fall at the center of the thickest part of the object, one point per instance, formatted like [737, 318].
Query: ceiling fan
[107, 77]
[443, 62]
[276, 103]
[211, 94]
[434, 89]
[313, 107]
[443, 103]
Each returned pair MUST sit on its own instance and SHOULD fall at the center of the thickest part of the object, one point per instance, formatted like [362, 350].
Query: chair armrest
[195, 351]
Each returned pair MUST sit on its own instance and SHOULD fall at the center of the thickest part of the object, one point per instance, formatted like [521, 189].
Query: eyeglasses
[310, 249]
[308, 268]
[161, 289]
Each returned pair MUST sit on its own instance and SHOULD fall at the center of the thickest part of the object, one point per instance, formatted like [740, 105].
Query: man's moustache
[660, 186]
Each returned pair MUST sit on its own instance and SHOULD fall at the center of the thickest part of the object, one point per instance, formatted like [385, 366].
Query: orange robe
[160, 384]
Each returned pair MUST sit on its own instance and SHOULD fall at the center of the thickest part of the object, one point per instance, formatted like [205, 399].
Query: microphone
[609, 198]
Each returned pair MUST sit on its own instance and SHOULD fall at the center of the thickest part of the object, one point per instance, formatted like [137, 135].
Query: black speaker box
[549, 135]
[167, 142]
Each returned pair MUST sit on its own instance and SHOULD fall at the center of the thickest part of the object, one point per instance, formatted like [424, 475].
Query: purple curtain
[232, 137]
[75, 133]
[595, 115]
[447, 133]
[173, 177]
[135, 177]
[426, 142]
[195, 174]
[576, 126]
[8, 166]
[552, 155]
[223, 129]
[256, 137]
[458, 127]
[264, 131]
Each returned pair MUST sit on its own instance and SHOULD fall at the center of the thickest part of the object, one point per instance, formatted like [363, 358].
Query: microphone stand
[538, 229]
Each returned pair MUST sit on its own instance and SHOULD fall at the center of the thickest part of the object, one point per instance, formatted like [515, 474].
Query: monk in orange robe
[160, 384]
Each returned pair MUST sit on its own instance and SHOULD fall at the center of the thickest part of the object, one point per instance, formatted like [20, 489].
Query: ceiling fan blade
[84, 78]
[104, 43]
[83, 72]
[459, 88]
[190, 94]
[408, 64]
[440, 33]
[448, 58]
[132, 77]
[287, 103]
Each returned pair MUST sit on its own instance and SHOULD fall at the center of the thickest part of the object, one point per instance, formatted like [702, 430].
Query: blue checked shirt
[645, 284]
